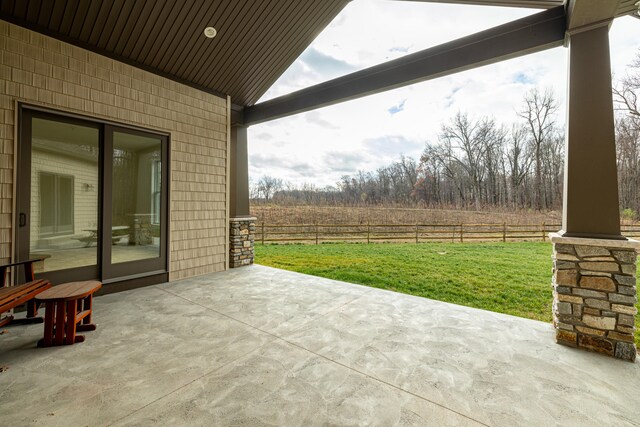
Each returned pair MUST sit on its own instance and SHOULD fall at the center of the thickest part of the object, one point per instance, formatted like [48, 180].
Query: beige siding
[85, 202]
[41, 70]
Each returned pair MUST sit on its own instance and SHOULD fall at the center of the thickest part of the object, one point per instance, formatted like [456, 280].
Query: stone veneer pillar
[241, 238]
[594, 294]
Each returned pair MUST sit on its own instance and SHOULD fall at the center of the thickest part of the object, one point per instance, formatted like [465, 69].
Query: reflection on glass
[136, 197]
[63, 222]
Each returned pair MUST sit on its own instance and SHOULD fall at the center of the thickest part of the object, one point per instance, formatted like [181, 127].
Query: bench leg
[26, 321]
[87, 305]
[32, 314]
[32, 308]
[47, 340]
[70, 337]
[61, 314]
[6, 320]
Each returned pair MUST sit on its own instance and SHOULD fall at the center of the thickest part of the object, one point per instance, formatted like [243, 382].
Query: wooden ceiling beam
[534, 33]
[586, 14]
[533, 4]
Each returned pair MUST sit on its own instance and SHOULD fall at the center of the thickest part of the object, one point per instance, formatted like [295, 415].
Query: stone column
[242, 226]
[241, 239]
[594, 268]
[594, 294]
[239, 173]
[590, 179]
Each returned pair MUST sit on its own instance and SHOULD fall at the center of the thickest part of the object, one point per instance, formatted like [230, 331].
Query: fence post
[504, 232]
[262, 233]
[368, 232]
[316, 233]
[416, 232]
[544, 237]
[453, 233]
[461, 238]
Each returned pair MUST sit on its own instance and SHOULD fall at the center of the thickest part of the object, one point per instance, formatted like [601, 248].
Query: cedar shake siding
[42, 71]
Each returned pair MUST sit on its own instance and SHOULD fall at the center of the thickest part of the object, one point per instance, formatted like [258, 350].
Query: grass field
[511, 278]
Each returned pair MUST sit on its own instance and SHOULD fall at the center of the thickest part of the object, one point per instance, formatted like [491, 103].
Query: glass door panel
[136, 197]
[64, 182]
[91, 199]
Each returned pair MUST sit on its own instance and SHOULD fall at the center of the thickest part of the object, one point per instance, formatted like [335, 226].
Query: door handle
[22, 219]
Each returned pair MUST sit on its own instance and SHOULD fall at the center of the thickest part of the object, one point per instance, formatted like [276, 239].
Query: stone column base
[241, 237]
[594, 294]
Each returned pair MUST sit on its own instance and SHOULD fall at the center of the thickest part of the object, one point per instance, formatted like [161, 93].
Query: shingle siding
[44, 71]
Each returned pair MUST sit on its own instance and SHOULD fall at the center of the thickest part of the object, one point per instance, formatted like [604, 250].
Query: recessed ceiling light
[210, 32]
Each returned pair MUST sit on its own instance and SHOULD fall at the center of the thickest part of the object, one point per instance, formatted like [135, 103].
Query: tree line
[478, 163]
[625, 97]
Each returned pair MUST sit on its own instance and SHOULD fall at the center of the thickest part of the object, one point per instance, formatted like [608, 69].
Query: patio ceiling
[255, 44]
[256, 40]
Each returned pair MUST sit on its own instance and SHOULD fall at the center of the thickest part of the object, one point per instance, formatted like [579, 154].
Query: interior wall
[85, 190]
[43, 71]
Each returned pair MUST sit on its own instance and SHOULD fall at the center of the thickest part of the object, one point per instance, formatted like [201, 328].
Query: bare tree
[473, 143]
[494, 139]
[627, 91]
[475, 163]
[445, 164]
[553, 168]
[539, 114]
[254, 192]
[628, 154]
[519, 161]
[626, 94]
[409, 169]
[268, 186]
[429, 187]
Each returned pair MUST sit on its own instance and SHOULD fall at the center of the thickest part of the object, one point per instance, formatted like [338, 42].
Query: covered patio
[261, 346]
[210, 345]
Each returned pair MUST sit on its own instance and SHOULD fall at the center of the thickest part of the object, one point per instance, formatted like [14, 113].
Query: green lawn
[511, 278]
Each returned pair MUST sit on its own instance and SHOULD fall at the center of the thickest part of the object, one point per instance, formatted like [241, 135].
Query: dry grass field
[274, 214]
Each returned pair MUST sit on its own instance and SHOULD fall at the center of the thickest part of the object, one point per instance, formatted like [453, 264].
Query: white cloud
[322, 145]
[395, 109]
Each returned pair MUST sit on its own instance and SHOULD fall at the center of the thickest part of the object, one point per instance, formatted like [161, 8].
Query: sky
[320, 146]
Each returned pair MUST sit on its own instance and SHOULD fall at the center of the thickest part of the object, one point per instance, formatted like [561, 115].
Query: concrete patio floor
[259, 346]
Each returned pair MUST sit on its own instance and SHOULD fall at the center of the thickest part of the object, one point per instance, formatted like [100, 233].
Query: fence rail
[415, 233]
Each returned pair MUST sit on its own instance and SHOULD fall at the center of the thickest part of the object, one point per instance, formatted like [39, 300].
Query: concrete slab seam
[321, 356]
[364, 374]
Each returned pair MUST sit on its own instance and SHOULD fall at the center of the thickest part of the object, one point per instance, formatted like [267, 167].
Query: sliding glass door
[136, 202]
[59, 194]
[92, 198]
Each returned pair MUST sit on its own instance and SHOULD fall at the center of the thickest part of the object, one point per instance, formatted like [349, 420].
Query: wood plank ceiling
[257, 39]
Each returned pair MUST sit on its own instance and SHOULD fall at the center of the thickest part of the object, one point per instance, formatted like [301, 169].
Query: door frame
[103, 270]
[23, 194]
[110, 271]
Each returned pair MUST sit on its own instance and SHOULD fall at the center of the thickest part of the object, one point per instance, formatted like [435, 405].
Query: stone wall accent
[140, 229]
[40, 70]
[242, 233]
[594, 294]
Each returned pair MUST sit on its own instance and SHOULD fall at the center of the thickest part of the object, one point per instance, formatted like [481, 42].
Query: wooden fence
[409, 233]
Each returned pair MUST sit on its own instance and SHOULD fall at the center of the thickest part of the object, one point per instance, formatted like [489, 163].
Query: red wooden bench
[68, 310]
[13, 296]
